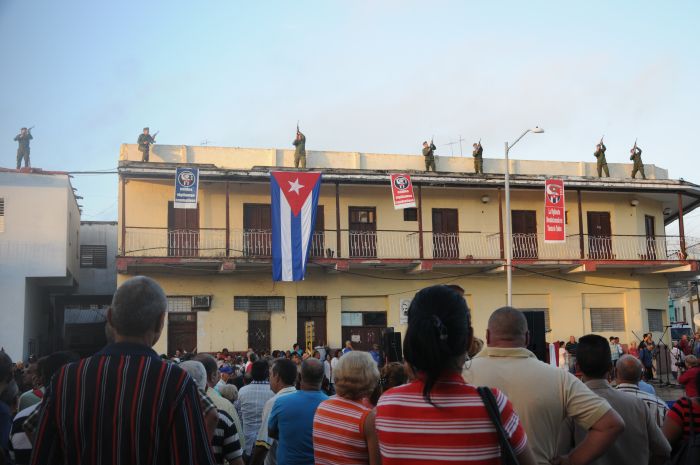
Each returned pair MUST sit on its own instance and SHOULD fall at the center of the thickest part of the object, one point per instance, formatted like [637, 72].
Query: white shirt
[334, 362]
[327, 370]
[250, 405]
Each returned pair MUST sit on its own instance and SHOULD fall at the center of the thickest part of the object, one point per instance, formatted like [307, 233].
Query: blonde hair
[356, 375]
[228, 391]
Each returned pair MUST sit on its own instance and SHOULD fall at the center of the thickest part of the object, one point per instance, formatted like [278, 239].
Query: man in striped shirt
[124, 405]
[629, 373]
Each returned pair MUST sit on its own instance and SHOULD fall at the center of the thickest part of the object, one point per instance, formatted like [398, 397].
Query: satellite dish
[696, 320]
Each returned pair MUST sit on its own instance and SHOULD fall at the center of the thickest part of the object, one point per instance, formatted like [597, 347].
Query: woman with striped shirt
[344, 432]
[438, 417]
[677, 425]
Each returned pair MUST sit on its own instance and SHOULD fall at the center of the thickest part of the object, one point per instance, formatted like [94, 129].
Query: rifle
[634, 150]
[154, 135]
[601, 139]
[28, 130]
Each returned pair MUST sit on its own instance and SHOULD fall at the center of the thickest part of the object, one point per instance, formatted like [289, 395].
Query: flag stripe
[296, 247]
[275, 195]
[287, 239]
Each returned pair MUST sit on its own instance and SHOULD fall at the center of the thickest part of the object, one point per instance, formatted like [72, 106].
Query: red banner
[554, 216]
[402, 191]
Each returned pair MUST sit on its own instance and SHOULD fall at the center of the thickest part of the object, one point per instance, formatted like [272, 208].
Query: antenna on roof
[205, 142]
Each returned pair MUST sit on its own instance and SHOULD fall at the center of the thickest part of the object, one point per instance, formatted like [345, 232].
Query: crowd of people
[453, 400]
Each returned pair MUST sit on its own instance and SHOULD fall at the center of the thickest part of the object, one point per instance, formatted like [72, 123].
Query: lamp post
[509, 232]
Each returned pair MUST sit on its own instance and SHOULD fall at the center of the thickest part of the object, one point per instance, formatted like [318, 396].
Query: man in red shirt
[684, 345]
[688, 378]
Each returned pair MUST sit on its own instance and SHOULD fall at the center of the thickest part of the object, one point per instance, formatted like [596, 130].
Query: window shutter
[656, 321]
[258, 304]
[93, 256]
[607, 319]
[2, 215]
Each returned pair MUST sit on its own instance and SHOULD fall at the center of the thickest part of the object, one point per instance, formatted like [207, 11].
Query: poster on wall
[186, 187]
[403, 311]
[402, 191]
[554, 213]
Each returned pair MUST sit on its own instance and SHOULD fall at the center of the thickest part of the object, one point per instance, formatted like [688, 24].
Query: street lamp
[509, 232]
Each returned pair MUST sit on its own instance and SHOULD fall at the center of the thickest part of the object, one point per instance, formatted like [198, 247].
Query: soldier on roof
[145, 141]
[429, 154]
[477, 153]
[636, 157]
[601, 163]
[299, 150]
[23, 138]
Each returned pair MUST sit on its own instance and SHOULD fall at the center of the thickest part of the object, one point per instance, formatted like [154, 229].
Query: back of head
[260, 370]
[197, 372]
[439, 333]
[593, 356]
[393, 374]
[507, 328]
[286, 370]
[5, 367]
[209, 363]
[229, 392]
[356, 375]
[138, 306]
[312, 372]
[629, 369]
[49, 365]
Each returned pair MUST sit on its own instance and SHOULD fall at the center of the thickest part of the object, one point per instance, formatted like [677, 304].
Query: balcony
[256, 245]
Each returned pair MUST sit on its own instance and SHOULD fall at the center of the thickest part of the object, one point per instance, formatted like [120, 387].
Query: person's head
[697, 336]
[425, 143]
[6, 368]
[210, 365]
[348, 344]
[283, 373]
[650, 347]
[260, 370]
[198, 373]
[597, 145]
[23, 130]
[316, 354]
[312, 374]
[476, 346]
[684, 337]
[475, 145]
[507, 327]
[228, 392]
[47, 366]
[458, 289]
[593, 356]
[295, 358]
[138, 310]
[146, 130]
[691, 361]
[376, 347]
[225, 373]
[617, 340]
[253, 357]
[628, 369]
[338, 353]
[572, 339]
[356, 375]
[611, 338]
[393, 374]
[439, 334]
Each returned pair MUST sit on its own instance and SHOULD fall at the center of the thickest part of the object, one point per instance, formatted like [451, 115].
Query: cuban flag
[294, 201]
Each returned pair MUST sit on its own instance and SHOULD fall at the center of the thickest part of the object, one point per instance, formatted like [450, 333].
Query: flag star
[295, 186]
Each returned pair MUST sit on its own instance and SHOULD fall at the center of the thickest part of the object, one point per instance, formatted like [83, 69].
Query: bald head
[311, 373]
[629, 370]
[507, 328]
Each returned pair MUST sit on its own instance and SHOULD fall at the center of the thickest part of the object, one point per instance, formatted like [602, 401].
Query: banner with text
[402, 191]
[186, 187]
[554, 216]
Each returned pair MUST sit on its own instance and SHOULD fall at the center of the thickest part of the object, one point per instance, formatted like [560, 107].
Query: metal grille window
[258, 304]
[410, 214]
[607, 319]
[180, 304]
[93, 256]
[656, 320]
[2, 214]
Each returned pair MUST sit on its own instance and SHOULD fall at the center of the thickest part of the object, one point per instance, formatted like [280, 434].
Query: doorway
[257, 230]
[599, 236]
[182, 331]
[445, 233]
[650, 233]
[363, 231]
[311, 322]
[259, 331]
[183, 231]
[524, 234]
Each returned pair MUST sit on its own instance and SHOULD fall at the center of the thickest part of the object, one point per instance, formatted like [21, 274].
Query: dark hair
[5, 366]
[393, 374]
[209, 363]
[259, 371]
[593, 356]
[286, 370]
[439, 332]
[312, 371]
[49, 365]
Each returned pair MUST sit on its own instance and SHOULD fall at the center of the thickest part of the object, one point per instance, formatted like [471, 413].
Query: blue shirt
[293, 417]
[646, 387]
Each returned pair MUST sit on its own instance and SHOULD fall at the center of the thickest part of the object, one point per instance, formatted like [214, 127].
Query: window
[656, 319]
[93, 256]
[547, 326]
[180, 304]
[607, 319]
[410, 214]
[2, 214]
[258, 304]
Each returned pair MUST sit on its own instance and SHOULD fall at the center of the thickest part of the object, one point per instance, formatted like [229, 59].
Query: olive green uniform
[602, 162]
[478, 159]
[636, 157]
[300, 151]
[23, 149]
[429, 154]
[145, 141]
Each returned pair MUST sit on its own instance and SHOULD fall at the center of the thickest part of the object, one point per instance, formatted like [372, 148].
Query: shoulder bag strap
[507, 452]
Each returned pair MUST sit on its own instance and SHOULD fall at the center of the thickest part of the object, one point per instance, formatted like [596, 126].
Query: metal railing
[397, 244]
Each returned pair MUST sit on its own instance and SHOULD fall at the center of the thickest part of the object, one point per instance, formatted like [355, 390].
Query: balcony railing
[395, 244]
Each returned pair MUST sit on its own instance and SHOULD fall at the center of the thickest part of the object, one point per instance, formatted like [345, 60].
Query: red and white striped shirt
[339, 437]
[456, 429]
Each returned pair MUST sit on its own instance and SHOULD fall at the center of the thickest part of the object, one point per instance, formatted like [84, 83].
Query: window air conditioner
[201, 302]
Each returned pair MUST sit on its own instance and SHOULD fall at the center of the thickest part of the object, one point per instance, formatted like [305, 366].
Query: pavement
[668, 392]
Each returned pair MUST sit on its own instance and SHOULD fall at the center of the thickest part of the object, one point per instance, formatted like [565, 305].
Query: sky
[366, 76]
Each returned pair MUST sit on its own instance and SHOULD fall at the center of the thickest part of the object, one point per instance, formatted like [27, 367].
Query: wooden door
[257, 230]
[182, 331]
[183, 231]
[367, 336]
[311, 321]
[259, 331]
[318, 242]
[599, 236]
[524, 228]
[650, 230]
[445, 233]
[363, 231]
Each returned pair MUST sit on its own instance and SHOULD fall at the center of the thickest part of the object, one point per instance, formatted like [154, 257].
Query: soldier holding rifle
[145, 141]
[602, 163]
[636, 157]
[429, 154]
[299, 149]
[477, 153]
[23, 138]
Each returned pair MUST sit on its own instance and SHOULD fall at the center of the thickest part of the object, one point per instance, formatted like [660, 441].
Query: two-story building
[368, 259]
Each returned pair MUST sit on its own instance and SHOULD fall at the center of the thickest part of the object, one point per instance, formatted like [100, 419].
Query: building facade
[39, 256]
[368, 259]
